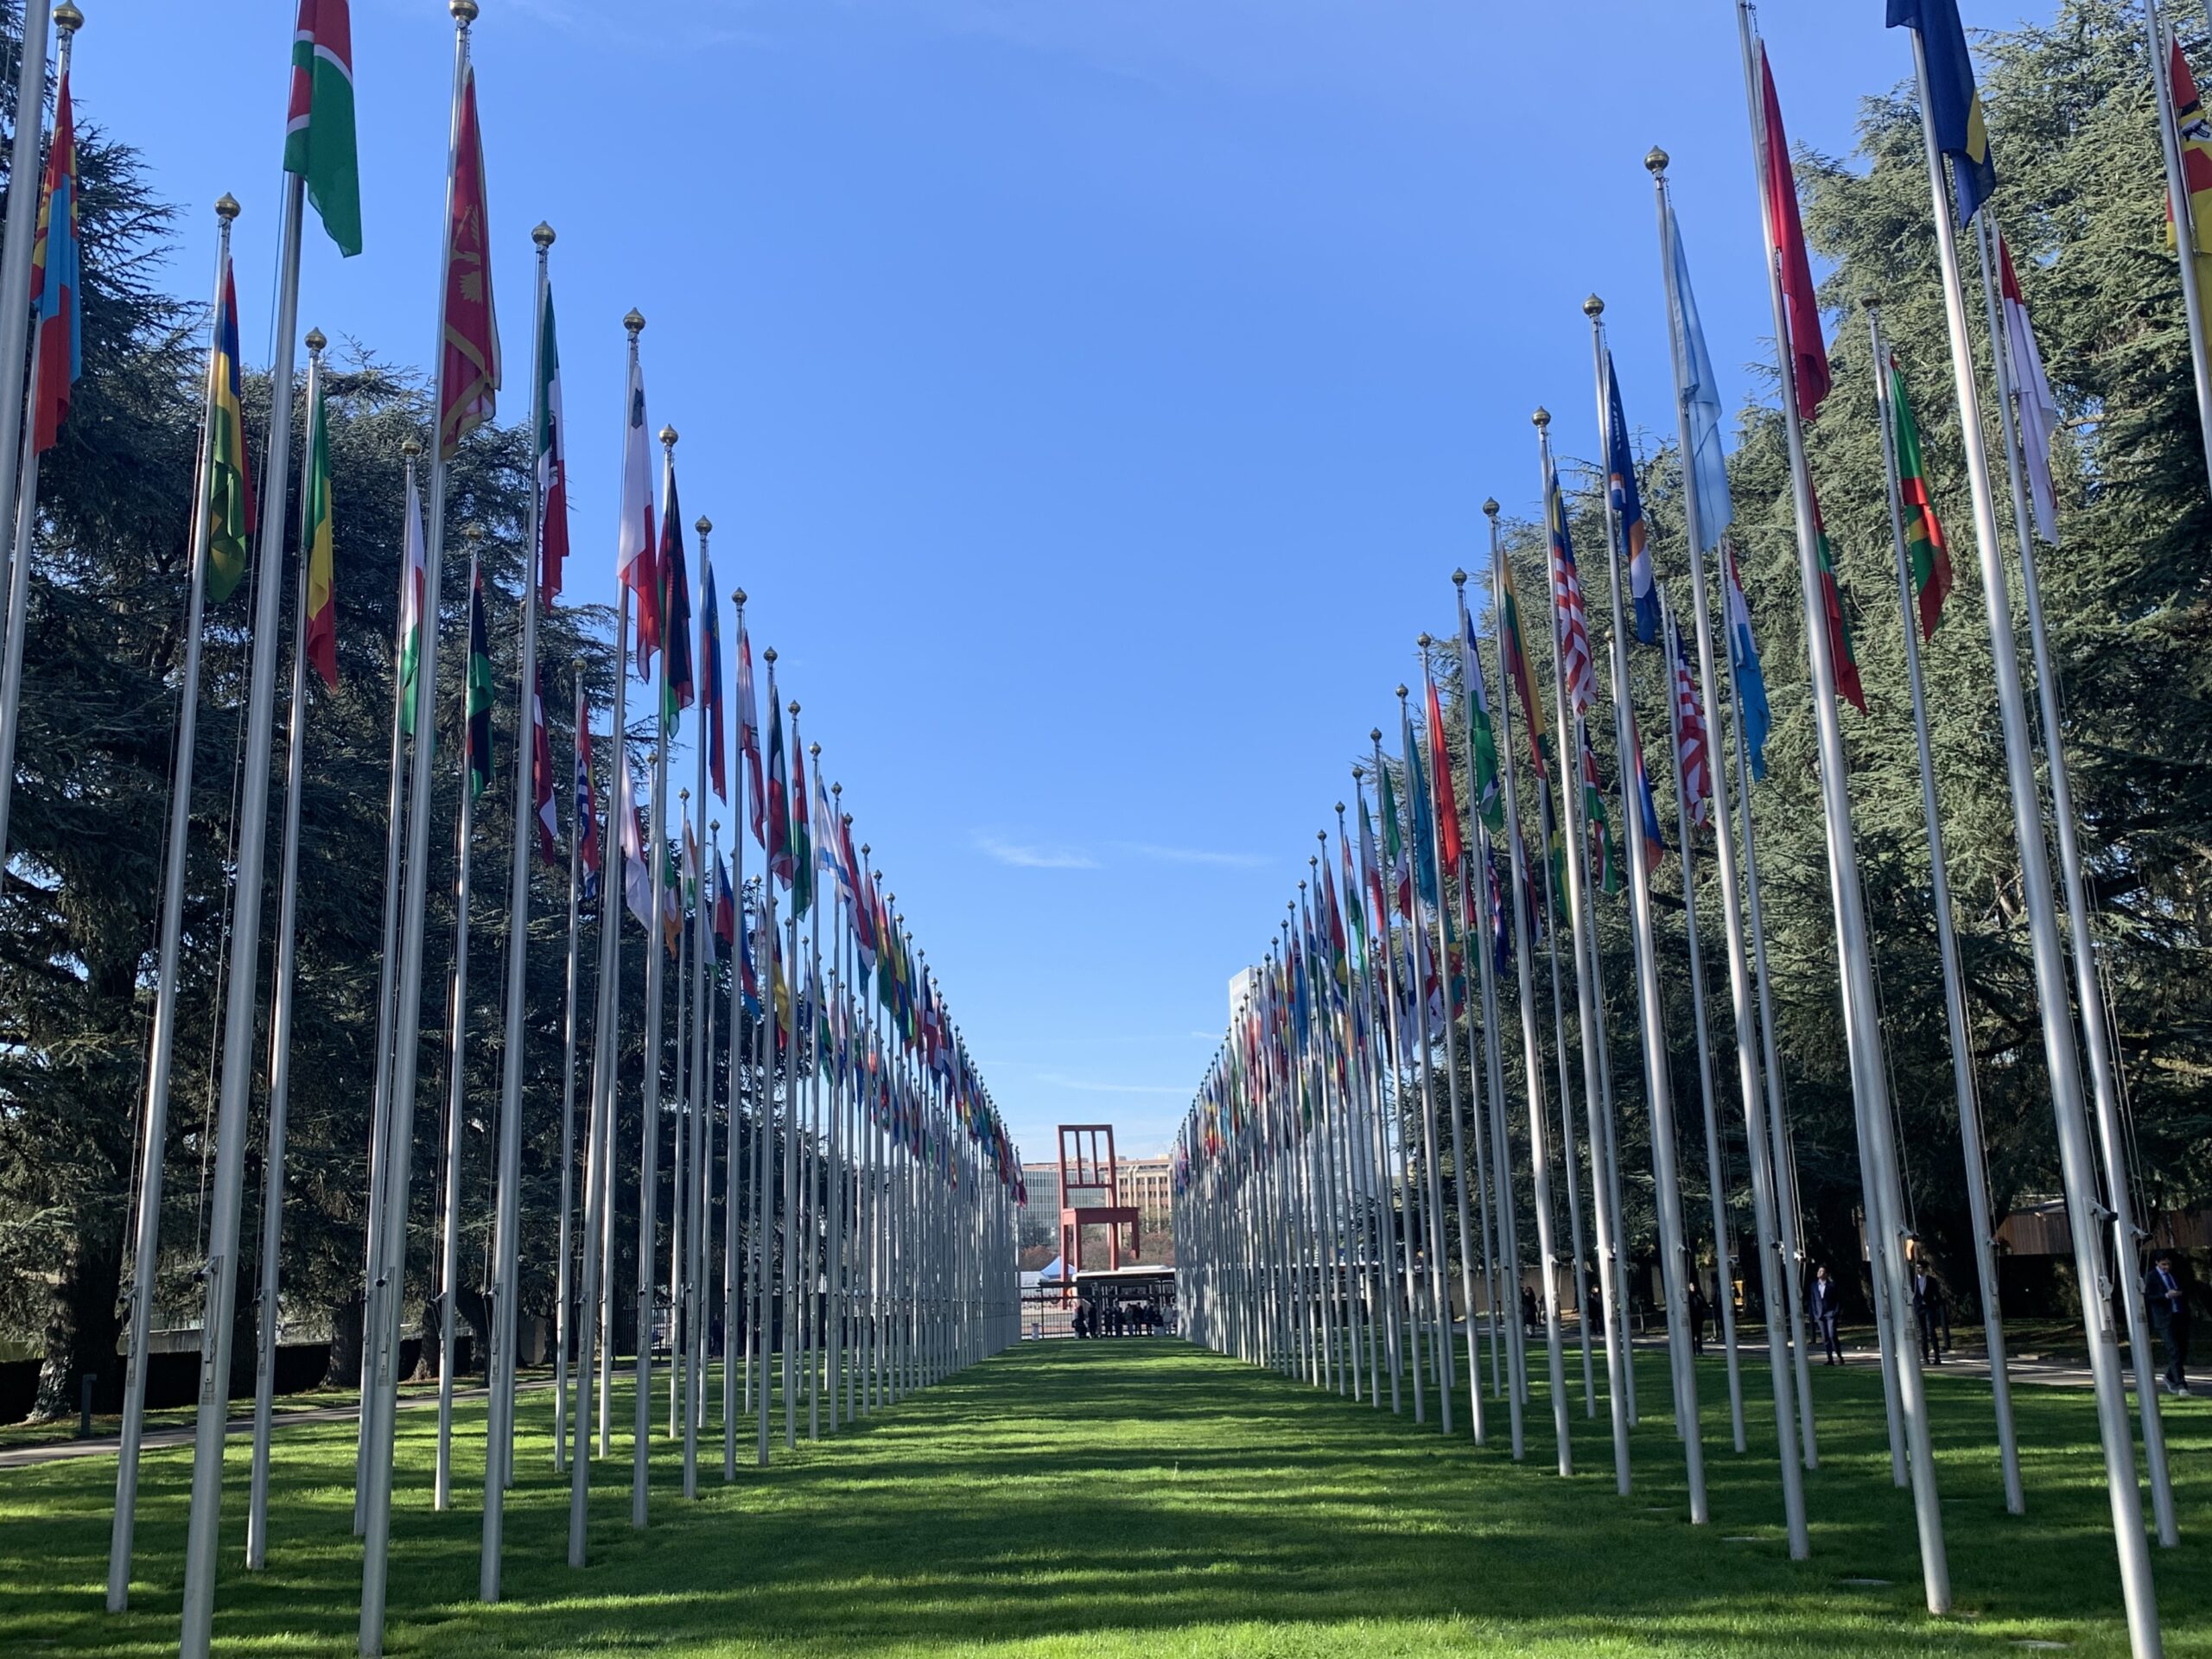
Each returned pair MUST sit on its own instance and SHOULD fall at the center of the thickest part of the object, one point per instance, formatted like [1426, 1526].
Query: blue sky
[1094, 397]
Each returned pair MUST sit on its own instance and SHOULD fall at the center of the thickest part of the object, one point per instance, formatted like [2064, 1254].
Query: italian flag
[319, 127]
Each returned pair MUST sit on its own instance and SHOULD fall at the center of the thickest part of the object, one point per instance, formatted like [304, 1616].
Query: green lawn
[1146, 1498]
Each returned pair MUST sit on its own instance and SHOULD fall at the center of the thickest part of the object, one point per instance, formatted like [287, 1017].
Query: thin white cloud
[1193, 855]
[1034, 858]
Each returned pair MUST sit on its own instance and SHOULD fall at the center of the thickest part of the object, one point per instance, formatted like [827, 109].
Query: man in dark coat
[1827, 1298]
[2167, 1297]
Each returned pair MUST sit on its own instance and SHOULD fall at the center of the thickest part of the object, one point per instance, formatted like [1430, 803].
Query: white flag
[2038, 407]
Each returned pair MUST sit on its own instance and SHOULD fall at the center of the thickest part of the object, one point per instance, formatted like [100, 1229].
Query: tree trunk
[82, 1323]
[344, 1368]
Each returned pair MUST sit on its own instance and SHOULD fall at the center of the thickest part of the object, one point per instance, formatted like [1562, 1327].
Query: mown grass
[1143, 1498]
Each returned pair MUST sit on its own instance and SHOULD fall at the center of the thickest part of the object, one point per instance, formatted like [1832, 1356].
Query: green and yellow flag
[321, 641]
[230, 479]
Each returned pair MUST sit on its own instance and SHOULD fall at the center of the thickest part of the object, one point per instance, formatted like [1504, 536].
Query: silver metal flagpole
[1773, 1259]
[67, 20]
[679, 1256]
[1431, 1190]
[456, 1083]
[1407, 1241]
[1724, 1293]
[220, 1272]
[147, 1238]
[812, 1296]
[1674, 1244]
[280, 1018]
[387, 977]
[597, 1344]
[564, 1287]
[1532, 1054]
[656, 853]
[391, 1269]
[732, 1217]
[702, 1095]
[2081, 927]
[2184, 220]
[767, 1033]
[22, 218]
[499, 1410]
[1947, 947]
[1862, 1028]
[792, 1160]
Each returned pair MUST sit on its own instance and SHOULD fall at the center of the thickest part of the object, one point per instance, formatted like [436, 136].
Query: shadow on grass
[1143, 1495]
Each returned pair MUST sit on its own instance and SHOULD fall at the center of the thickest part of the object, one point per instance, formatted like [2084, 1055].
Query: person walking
[1699, 1310]
[1929, 1311]
[1531, 1324]
[2168, 1299]
[1827, 1310]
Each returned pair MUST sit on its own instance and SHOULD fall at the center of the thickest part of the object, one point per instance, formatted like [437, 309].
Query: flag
[636, 566]
[1750, 675]
[1598, 824]
[1647, 806]
[2037, 403]
[1786, 229]
[826, 861]
[748, 727]
[411, 600]
[321, 641]
[230, 474]
[469, 376]
[802, 845]
[1570, 621]
[479, 706]
[1926, 551]
[319, 143]
[1501, 920]
[56, 282]
[1370, 872]
[1398, 873]
[1701, 395]
[1847, 660]
[552, 463]
[1421, 824]
[2194, 133]
[725, 910]
[1693, 754]
[1354, 907]
[1628, 511]
[1439, 767]
[541, 775]
[675, 609]
[637, 880]
[710, 687]
[1954, 111]
[1516, 659]
[1481, 736]
[779, 793]
[587, 808]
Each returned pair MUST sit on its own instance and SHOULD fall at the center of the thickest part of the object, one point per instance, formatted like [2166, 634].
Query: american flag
[1570, 623]
[1693, 763]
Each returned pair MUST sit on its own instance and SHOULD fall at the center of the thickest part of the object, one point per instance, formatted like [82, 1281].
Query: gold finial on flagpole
[1593, 307]
[226, 206]
[464, 11]
[543, 235]
[1458, 578]
[1656, 159]
[68, 17]
[316, 340]
[668, 437]
[705, 526]
[635, 322]
[1490, 508]
[1542, 418]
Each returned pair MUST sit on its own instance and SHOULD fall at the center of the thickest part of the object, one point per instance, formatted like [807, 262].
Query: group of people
[1117, 1319]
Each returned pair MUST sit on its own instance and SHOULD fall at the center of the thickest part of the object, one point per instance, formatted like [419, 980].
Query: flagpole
[597, 1330]
[679, 1126]
[1675, 1247]
[810, 1297]
[1962, 1080]
[391, 1269]
[767, 1033]
[499, 1410]
[456, 1082]
[1773, 1258]
[732, 1214]
[1405, 1240]
[280, 1020]
[22, 231]
[1532, 1068]
[2080, 927]
[1861, 1009]
[564, 1287]
[2179, 202]
[147, 1237]
[1724, 1294]
[701, 1098]
[67, 21]
[387, 970]
[1432, 1192]
[2077, 1156]
[219, 1271]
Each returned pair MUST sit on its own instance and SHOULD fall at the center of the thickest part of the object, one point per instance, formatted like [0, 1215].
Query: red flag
[1439, 776]
[1807, 349]
[55, 283]
[469, 374]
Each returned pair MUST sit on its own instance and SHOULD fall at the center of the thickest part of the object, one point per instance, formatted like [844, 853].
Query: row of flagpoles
[868, 1187]
[1353, 1138]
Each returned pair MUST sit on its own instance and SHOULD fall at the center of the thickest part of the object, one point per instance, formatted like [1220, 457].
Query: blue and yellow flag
[1953, 106]
[230, 479]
